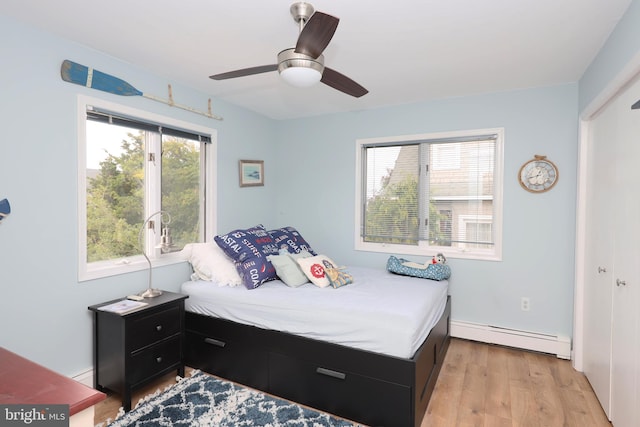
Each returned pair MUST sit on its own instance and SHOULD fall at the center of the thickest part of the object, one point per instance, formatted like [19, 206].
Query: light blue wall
[317, 188]
[43, 308]
[621, 48]
[310, 184]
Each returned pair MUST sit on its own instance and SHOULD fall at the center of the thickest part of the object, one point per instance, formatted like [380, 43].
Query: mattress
[380, 311]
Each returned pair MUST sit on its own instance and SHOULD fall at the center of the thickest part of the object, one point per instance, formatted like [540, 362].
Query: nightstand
[133, 349]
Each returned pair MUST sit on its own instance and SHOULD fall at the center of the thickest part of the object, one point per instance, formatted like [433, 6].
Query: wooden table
[24, 382]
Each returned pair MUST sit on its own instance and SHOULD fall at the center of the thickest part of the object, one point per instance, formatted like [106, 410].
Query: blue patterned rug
[201, 400]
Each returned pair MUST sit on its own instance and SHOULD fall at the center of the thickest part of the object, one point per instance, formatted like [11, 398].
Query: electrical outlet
[525, 304]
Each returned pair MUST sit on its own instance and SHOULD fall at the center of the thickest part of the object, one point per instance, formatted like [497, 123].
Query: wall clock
[538, 175]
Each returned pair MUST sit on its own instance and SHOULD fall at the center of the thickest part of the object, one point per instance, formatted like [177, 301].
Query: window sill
[427, 251]
[116, 267]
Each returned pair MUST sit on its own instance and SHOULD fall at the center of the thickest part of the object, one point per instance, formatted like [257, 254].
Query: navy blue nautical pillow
[290, 239]
[249, 248]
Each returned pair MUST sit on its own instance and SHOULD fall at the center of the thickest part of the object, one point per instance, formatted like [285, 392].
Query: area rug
[202, 400]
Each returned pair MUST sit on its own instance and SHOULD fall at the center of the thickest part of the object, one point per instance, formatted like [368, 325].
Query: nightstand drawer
[148, 329]
[154, 359]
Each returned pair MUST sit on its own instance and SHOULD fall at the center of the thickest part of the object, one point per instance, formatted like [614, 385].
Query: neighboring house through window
[429, 193]
[133, 164]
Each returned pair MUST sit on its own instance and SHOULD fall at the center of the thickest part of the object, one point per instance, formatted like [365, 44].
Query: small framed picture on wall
[251, 173]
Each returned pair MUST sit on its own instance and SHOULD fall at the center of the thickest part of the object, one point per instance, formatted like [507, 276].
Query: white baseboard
[553, 344]
[85, 378]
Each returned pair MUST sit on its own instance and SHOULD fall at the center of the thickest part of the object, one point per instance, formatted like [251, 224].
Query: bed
[369, 351]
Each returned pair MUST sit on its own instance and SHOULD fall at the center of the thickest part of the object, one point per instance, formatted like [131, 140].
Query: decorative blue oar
[86, 76]
[5, 209]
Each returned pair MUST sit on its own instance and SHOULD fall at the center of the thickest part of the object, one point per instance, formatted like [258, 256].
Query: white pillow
[313, 268]
[210, 263]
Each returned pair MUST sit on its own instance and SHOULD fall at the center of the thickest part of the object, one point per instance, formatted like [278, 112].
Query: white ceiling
[402, 51]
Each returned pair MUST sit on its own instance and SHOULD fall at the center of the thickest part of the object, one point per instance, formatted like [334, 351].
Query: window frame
[423, 249]
[100, 269]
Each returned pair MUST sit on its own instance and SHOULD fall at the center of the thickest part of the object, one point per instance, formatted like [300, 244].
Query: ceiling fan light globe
[301, 76]
[300, 70]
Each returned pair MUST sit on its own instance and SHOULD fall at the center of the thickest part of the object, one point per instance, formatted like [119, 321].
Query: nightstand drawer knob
[159, 328]
[159, 359]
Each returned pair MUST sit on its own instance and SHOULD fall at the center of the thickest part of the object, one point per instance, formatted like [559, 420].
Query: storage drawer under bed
[336, 391]
[228, 352]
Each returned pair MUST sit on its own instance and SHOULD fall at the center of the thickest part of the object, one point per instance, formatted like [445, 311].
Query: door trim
[616, 86]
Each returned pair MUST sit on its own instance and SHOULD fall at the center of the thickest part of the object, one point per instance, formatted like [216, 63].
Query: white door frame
[617, 85]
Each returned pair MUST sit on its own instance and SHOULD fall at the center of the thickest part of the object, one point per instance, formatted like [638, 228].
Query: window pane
[461, 194]
[115, 190]
[478, 232]
[442, 229]
[123, 172]
[181, 188]
[391, 211]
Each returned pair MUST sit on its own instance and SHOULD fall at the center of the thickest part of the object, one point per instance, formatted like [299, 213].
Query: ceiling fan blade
[342, 83]
[316, 34]
[244, 72]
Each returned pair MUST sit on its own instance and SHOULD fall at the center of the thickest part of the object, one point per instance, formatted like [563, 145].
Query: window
[133, 164]
[424, 194]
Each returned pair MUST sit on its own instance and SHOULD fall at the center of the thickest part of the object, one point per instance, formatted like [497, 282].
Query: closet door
[625, 354]
[599, 255]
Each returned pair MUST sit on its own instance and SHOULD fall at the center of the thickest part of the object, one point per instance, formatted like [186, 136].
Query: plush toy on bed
[337, 277]
[439, 259]
[435, 269]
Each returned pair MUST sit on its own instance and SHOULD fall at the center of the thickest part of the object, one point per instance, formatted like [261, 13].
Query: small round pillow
[431, 271]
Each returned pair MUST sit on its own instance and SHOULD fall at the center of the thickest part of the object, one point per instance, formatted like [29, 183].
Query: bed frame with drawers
[362, 386]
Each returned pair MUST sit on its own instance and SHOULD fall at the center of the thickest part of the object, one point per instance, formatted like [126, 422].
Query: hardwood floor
[488, 385]
[483, 385]
[109, 407]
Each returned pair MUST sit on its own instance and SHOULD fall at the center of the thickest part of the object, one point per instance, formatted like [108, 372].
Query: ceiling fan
[303, 65]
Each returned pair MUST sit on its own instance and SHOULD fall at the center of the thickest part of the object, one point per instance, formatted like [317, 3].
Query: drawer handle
[159, 359]
[215, 342]
[331, 373]
[159, 328]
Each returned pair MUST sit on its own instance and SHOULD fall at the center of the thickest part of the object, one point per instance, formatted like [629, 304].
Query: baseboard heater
[552, 344]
